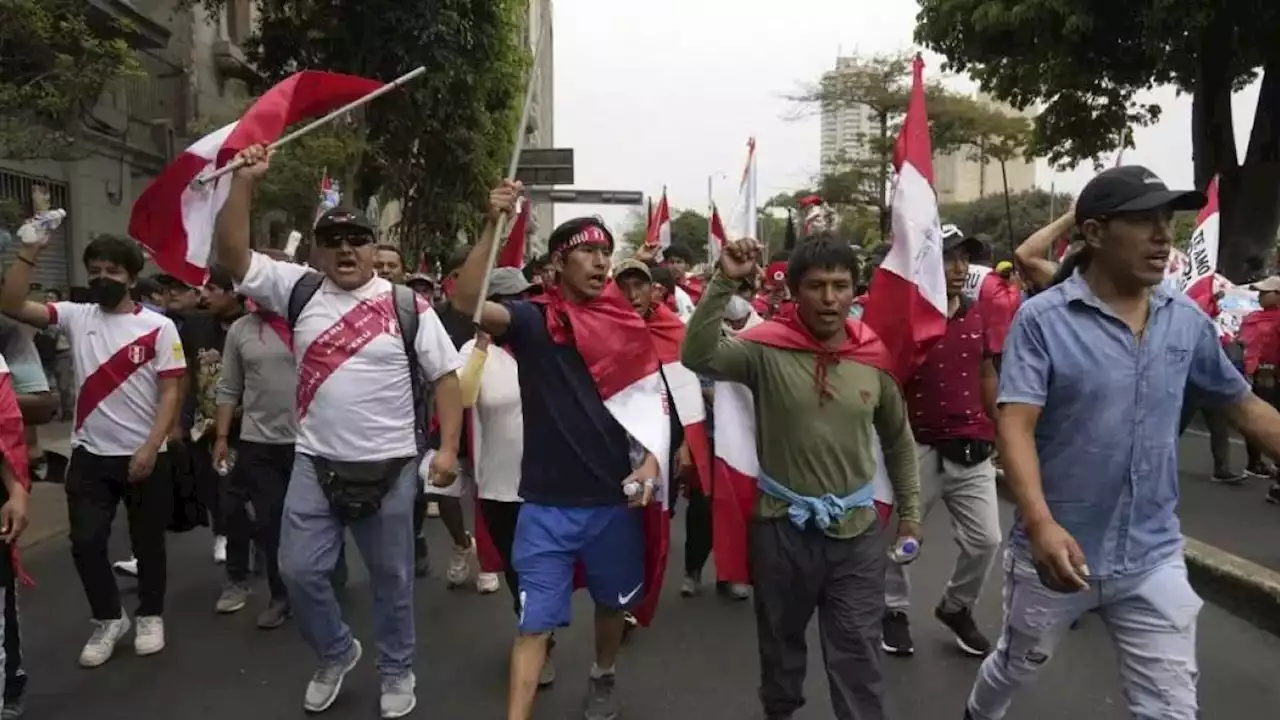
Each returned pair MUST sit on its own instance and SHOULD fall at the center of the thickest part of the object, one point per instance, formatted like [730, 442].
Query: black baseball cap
[220, 277]
[343, 219]
[953, 238]
[1131, 189]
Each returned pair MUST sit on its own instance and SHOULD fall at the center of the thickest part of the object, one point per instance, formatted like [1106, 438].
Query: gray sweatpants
[970, 496]
[796, 572]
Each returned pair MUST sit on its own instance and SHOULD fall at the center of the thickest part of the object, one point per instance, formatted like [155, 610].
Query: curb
[1243, 588]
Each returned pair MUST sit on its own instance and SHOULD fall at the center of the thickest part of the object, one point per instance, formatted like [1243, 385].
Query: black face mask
[107, 292]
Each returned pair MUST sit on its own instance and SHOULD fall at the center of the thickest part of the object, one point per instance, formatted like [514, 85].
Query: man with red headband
[773, 297]
[823, 400]
[575, 346]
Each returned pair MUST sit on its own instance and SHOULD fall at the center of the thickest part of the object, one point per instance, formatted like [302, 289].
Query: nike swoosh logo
[624, 599]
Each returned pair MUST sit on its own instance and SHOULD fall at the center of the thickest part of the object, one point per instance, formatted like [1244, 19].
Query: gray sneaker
[13, 709]
[233, 599]
[548, 675]
[274, 614]
[398, 699]
[601, 704]
[325, 684]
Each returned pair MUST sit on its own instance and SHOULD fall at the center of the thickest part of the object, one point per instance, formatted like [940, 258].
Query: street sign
[590, 197]
[545, 166]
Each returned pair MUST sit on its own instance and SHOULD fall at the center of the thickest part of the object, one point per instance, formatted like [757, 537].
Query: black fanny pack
[355, 489]
[965, 452]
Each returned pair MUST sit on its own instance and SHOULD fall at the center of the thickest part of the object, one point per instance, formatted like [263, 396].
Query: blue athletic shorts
[607, 540]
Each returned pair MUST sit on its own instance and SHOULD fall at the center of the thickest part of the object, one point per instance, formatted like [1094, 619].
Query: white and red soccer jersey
[118, 359]
[354, 397]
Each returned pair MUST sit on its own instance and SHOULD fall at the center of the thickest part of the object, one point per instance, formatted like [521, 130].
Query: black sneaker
[897, 634]
[1228, 478]
[968, 637]
[601, 704]
[1259, 470]
[1273, 495]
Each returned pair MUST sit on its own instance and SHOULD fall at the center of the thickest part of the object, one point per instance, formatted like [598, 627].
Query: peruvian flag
[659, 234]
[174, 218]
[13, 450]
[1202, 252]
[512, 253]
[667, 330]
[907, 302]
[618, 349]
[737, 464]
[330, 195]
[745, 218]
[716, 237]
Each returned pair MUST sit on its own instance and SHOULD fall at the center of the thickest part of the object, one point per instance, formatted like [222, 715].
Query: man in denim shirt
[1094, 374]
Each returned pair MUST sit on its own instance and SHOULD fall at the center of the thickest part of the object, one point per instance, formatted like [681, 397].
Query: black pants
[15, 677]
[1271, 395]
[211, 486]
[500, 517]
[697, 532]
[255, 508]
[796, 572]
[1219, 428]
[95, 486]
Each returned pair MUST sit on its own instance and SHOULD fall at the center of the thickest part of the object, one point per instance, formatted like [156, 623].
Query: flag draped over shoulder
[737, 464]
[13, 449]
[907, 303]
[619, 352]
[686, 391]
[174, 217]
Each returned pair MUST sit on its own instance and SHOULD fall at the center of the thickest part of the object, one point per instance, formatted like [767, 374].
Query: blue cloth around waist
[823, 511]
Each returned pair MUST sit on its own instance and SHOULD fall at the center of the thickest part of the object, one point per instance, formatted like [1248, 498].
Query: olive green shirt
[814, 448]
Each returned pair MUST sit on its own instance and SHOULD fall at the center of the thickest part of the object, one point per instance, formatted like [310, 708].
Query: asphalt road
[1231, 517]
[698, 661]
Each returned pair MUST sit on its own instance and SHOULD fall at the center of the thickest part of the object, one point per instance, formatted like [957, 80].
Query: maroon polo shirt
[944, 397]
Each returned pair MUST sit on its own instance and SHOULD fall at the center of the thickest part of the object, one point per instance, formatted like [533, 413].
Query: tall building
[193, 65]
[845, 128]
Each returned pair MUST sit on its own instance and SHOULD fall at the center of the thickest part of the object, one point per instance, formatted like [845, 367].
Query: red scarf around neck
[786, 331]
[607, 332]
[667, 331]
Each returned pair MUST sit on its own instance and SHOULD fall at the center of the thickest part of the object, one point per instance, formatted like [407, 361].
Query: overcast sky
[666, 92]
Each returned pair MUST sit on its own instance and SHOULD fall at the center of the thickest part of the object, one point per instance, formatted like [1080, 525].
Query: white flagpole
[504, 221]
[394, 84]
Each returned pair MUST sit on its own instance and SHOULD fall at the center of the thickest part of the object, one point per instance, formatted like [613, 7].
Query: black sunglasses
[335, 241]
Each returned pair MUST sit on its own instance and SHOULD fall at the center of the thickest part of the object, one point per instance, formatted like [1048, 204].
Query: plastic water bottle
[905, 550]
[38, 228]
[224, 468]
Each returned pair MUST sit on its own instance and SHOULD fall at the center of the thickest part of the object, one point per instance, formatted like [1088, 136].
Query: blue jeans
[310, 543]
[1152, 621]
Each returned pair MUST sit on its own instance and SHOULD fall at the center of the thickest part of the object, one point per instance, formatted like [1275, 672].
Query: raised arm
[17, 283]
[706, 350]
[1032, 254]
[231, 230]
[494, 319]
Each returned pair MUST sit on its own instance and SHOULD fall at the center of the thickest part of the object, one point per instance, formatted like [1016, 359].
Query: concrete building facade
[193, 65]
[845, 129]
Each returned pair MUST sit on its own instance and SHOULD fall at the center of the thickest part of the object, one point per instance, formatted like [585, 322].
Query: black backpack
[406, 303]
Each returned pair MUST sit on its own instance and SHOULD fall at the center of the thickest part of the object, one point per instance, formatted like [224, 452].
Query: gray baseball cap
[507, 282]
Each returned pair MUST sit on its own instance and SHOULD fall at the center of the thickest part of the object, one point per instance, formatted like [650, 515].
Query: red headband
[592, 235]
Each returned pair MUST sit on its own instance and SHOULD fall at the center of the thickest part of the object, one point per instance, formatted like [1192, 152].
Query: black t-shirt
[459, 326]
[199, 330]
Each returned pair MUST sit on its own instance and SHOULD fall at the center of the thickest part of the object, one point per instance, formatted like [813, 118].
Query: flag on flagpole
[907, 303]
[790, 242]
[659, 234]
[330, 195]
[716, 237]
[512, 253]
[745, 218]
[1202, 252]
[174, 217]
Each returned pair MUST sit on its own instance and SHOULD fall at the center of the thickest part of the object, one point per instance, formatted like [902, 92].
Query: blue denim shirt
[1108, 430]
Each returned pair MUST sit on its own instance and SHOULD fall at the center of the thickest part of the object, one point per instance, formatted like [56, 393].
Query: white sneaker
[487, 583]
[102, 643]
[460, 564]
[220, 549]
[127, 568]
[149, 639]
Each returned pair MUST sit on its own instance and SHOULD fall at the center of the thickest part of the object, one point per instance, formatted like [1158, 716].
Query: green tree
[1086, 62]
[688, 227]
[988, 216]
[56, 63]
[439, 145]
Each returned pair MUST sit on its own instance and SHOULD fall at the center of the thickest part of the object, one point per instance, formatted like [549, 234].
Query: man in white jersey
[357, 436]
[128, 363]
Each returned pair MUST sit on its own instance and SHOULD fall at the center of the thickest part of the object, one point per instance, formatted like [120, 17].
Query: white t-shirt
[118, 360]
[352, 405]
[497, 426]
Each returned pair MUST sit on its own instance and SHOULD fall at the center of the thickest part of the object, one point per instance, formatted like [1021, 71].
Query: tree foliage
[986, 216]
[688, 227]
[1084, 63]
[444, 141]
[56, 63]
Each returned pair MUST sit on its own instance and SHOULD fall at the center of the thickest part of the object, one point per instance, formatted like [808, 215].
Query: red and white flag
[744, 220]
[907, 303]
[715, 236]
[737, 465]
[1202, 252]
[659, 234]
[174, 218]
[512, 253]
[667, 330]
[13, 450]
